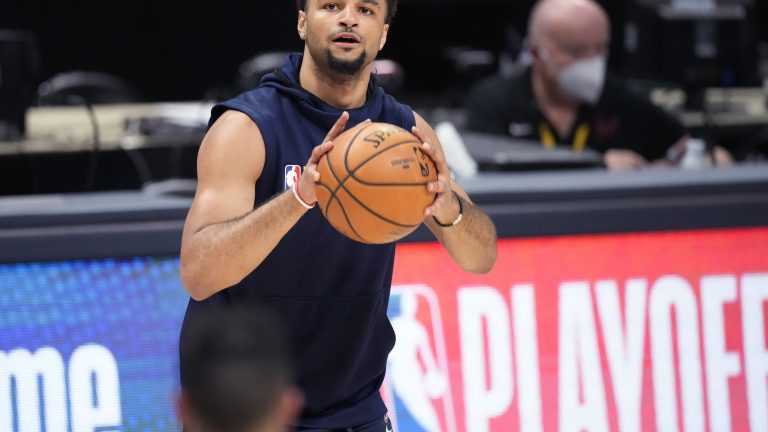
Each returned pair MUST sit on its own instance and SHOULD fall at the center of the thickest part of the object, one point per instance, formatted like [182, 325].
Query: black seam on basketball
[341, 206]
[349, 145]
[375, 213]
[339, 181]
[351, 174]
[389, 184]
[327, 203]
[373, 156]
[354, 137]
[346, 217]
[341, 186]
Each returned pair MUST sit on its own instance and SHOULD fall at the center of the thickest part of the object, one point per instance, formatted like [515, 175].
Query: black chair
[76, 87]
[252, 70]
[389, 74]
[88, 88]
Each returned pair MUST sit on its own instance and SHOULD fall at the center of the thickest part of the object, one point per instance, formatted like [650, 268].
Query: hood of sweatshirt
[285, 80]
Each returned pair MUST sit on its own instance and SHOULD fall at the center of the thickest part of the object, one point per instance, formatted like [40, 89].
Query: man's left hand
[445, 207]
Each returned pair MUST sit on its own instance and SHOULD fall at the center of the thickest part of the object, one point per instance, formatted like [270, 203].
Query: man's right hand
[623, 160]
[310, 176]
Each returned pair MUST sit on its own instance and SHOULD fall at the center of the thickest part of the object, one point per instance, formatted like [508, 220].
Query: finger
[431, 150]
[637, 162]
[432, 209]
[441, 186]
[311, 172]
[338, 127]
[437, 157]
[319, 151]
[440, 201]
[419, 134]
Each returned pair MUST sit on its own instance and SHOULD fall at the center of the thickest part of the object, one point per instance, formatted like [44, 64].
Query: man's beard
[343, 67]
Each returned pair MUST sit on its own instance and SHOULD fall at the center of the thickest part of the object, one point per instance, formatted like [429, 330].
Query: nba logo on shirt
[417, 387]
[292, 174]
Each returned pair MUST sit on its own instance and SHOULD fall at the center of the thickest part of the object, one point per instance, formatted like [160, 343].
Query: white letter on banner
[483, 402]
[579, 358]
[624, 349]
[669, 292]
[754, 294]
[25, 368]
[720, 364]
[527, 357]
[102, 409]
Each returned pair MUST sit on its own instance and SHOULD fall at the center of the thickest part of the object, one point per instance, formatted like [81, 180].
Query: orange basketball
[373, 183]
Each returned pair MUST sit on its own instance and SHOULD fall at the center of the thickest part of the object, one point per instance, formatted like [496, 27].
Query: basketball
[373, 183]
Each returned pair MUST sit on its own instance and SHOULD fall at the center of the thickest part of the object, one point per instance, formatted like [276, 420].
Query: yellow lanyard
[579, 137]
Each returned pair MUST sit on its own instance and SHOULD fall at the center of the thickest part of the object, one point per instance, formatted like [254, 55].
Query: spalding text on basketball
[377, 138]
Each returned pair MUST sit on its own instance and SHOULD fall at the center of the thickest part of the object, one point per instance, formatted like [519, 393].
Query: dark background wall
[176, 52]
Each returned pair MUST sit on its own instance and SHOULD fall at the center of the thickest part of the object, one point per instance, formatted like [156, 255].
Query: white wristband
[295, 190]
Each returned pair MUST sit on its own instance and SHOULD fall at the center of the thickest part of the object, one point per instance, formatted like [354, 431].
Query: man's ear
[383, 40]
[529, 46]
[301, 25]
[533, 48]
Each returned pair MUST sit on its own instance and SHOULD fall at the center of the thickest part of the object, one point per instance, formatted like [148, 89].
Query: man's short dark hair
[234, 366]
[391, 8]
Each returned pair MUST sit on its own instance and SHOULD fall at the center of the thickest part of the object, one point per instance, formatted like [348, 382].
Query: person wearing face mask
[566, 97]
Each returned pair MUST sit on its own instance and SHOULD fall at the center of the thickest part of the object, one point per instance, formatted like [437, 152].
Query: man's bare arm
[471, 242]
[224, 237]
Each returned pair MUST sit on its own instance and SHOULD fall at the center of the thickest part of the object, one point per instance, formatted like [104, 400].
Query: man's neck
[339, 91]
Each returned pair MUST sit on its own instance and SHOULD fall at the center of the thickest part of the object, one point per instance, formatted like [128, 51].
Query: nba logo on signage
[292, 174]
[417, 388]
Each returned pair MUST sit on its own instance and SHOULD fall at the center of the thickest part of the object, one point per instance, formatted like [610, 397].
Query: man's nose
[349, 17]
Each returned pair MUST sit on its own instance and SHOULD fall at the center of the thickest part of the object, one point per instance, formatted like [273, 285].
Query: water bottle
[696, 156]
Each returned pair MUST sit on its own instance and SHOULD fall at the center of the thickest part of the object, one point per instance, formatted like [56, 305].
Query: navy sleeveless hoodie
[330, 292]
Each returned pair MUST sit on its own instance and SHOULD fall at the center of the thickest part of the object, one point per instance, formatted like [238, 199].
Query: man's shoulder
[498, 84]
[511, 91]
[256, 97]
[257, 103]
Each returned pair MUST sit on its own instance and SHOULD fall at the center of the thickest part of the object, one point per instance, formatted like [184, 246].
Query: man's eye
[366, 11]
[331, 6]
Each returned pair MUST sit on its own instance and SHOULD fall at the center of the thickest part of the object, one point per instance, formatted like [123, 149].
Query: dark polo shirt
[620, 120]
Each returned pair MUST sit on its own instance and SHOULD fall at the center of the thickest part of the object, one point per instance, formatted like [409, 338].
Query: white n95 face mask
[583, 79]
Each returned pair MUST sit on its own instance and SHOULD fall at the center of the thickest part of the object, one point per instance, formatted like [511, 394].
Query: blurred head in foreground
[236, 374]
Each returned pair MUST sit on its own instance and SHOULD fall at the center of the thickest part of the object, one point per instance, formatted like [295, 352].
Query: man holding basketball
[250, 239]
